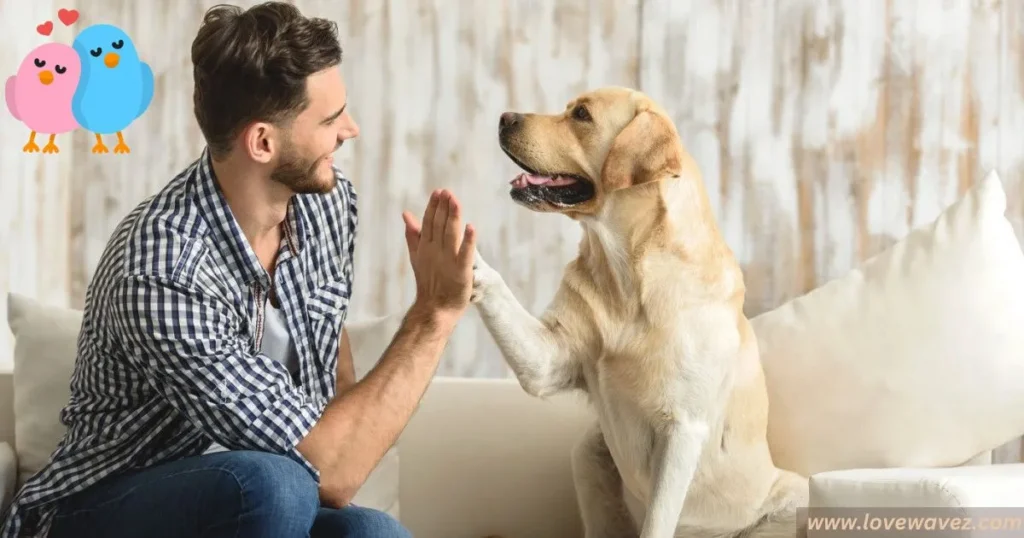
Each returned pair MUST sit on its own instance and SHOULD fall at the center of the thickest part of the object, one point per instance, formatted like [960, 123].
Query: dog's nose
[508, 119]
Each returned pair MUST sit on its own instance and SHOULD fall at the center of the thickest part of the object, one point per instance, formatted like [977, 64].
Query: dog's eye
[581, 113]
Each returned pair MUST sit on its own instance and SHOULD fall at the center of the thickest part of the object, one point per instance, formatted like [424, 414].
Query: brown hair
[251, 65]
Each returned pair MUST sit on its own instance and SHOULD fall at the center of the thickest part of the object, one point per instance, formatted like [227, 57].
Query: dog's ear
[646, 149]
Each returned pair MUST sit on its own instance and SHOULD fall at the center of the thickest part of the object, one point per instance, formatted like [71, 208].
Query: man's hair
[251, 65]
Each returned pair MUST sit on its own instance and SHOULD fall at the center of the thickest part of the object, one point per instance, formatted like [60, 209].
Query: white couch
[889, 387]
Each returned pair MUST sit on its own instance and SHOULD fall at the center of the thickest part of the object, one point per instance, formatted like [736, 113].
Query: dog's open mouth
[560, 189]
[526, 179]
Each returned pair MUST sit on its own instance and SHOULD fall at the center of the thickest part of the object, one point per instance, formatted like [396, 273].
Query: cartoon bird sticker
[115, 88]
[40, 94]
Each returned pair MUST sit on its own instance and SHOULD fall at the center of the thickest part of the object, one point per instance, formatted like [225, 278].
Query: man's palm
[441, 254]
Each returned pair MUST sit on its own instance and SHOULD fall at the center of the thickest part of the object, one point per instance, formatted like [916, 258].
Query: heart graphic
[68, 16]
[45, 28]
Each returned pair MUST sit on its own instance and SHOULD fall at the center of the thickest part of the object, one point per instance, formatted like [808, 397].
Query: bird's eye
[60, 69]
[96, 52]
[581, 113]
[40, 63]
[117, 44]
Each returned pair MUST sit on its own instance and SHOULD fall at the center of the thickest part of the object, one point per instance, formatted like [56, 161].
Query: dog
[648, 323]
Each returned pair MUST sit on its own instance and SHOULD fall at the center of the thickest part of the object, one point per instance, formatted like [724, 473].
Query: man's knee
[275, 492]
[357, 521]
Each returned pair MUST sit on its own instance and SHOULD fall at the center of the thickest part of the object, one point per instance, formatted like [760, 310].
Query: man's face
[315, 134]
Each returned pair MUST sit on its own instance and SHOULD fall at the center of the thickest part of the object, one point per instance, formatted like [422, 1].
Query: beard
[300, 174]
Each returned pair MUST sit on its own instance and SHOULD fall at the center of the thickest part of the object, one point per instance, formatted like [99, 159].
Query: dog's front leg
[677, 449]
[538, 352]
[599, 493]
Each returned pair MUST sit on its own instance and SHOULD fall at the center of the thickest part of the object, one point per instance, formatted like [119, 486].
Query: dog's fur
[649, 324]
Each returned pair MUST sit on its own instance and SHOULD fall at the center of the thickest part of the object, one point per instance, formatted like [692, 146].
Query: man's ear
[646, 149]
[258, 142]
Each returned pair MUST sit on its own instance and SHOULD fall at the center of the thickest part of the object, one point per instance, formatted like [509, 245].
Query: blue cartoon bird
[115, 87]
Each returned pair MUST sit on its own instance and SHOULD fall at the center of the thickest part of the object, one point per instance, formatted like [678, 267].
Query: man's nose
[349, 130]
[509, 119]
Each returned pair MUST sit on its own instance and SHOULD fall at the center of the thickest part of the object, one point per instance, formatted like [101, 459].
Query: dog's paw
[484, 277]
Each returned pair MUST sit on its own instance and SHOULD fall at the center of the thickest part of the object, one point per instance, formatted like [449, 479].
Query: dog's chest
[629, 435]
[659, 364]
[653, 372]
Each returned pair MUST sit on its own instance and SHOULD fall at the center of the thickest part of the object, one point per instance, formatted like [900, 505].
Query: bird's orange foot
[31, 147]
[50, 147]
[121, 147]
[100, 147]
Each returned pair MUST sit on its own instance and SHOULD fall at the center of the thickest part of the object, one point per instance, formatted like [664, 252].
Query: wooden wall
[826, 129]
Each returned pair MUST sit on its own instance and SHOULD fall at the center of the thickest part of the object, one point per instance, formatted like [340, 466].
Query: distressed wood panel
[34, 188]
[827, 129]
[427, 85]
[1010, 121]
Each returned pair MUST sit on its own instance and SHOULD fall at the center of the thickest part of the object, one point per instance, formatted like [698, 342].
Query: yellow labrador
[648, 322]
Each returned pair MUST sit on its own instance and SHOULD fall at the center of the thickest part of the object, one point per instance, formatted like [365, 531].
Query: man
[213, 393]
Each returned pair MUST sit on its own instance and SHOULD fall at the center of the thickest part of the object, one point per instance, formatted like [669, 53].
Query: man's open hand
[441, 253]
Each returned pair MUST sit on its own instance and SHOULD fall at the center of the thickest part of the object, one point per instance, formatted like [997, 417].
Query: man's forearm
[361, 424]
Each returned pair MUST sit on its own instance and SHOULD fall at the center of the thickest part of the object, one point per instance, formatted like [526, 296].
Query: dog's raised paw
[483, 277]
[478, 289]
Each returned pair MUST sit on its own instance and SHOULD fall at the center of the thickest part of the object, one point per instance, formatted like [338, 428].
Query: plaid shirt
[168, 354]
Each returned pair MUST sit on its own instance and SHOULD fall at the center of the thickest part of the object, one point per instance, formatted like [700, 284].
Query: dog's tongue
[523, 180]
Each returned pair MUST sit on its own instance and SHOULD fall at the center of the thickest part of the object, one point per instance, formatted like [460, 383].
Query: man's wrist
[432, 317]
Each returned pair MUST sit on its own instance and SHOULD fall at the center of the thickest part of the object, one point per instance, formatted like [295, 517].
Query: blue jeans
[224, 494]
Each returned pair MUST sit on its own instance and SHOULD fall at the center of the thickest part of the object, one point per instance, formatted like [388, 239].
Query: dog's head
[605, 140]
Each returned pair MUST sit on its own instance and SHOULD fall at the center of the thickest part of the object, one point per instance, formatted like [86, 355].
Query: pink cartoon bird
[40, 94]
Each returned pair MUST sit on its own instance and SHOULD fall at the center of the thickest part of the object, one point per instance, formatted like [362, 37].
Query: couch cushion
[985, 486]
[45, 338]
[8, 475]
[914, 359]
[44, 354]
[481, 457]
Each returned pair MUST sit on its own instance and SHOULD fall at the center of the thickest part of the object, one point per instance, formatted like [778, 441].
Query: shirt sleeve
[191, 348]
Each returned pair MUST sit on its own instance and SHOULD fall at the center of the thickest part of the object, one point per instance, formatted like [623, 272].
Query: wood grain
[427, 89]
[34, 188]
[826, 130]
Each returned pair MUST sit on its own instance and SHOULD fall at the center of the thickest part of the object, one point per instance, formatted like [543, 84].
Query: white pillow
[44, 355]
[914, 359]
[45, 342]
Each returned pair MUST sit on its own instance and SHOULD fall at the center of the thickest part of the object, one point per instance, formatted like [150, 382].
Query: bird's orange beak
[111, 59]
[46, 77]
